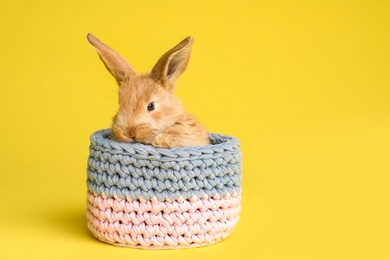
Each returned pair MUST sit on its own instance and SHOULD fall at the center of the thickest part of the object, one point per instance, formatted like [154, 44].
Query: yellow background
[304, 85]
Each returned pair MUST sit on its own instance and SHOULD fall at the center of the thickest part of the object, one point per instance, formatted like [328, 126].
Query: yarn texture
[153, 198]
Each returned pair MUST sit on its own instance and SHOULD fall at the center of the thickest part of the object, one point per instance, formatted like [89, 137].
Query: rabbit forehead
[138, 92]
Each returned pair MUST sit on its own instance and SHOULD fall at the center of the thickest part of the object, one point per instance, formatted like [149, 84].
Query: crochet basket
[153, 198]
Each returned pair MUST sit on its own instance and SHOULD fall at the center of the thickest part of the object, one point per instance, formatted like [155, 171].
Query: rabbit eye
[150, 106]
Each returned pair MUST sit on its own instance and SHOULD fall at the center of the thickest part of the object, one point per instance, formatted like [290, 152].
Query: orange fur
[168, 125]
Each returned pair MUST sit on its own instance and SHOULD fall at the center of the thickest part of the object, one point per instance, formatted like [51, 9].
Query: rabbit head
[147, 105]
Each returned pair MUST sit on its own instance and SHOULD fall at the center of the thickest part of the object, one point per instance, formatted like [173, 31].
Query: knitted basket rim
[220, 145]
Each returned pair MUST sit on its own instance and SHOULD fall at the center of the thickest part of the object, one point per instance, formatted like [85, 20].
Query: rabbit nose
[131, 132]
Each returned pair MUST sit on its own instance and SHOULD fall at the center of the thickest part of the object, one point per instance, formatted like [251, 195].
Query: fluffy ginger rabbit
[148, 111]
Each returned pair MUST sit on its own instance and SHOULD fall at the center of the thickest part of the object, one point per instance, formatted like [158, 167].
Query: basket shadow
[70, 222]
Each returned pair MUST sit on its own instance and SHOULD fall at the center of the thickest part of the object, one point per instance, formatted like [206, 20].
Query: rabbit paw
[162, 140]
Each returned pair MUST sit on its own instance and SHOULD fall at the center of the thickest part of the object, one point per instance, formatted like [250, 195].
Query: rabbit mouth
[143, 133]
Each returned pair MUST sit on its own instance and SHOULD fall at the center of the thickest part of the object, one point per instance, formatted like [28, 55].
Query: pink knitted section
[162, 225]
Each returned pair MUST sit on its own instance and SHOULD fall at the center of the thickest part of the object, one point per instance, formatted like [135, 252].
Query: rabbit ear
[115, 63]
[173, 63]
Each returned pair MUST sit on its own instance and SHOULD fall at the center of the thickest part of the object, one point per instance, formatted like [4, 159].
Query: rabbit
[149, 112]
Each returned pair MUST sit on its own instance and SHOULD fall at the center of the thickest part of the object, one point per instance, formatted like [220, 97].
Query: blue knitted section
[137, 170]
